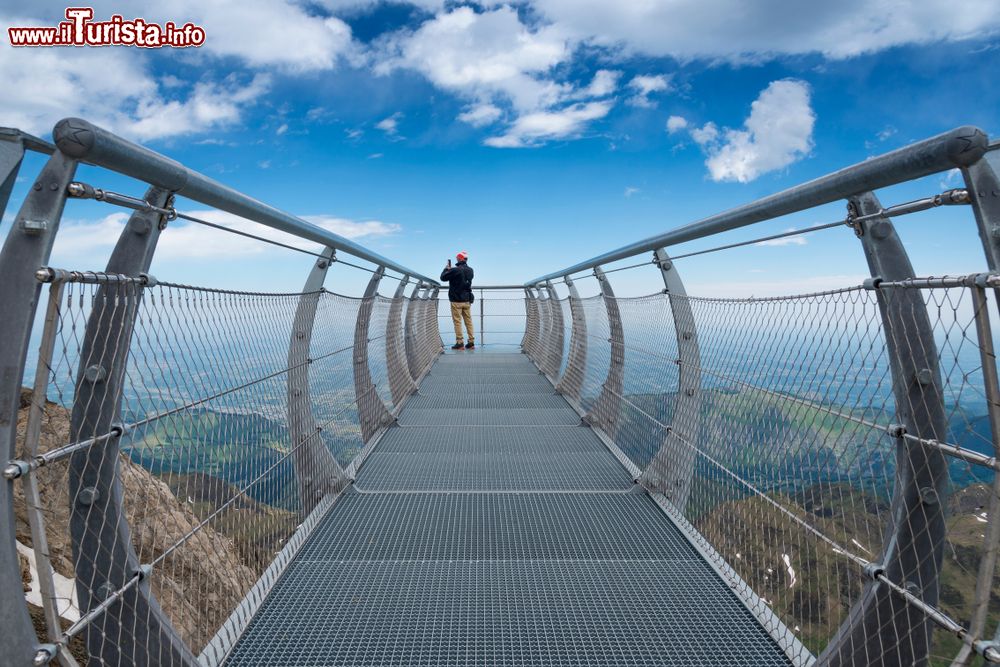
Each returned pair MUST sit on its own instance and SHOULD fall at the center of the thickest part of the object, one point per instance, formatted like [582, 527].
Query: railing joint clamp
[989, 649]
[874, 571]
[896, 430]
[15, 469]
[44, 654]
[872, 283]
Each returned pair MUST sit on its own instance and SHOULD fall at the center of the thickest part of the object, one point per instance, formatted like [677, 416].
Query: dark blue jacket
[459, 279]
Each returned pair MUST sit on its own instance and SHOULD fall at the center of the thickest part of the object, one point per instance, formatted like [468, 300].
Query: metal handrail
[960, 147]
[84, 141]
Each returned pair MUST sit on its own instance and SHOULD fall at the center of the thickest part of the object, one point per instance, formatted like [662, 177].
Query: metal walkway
[491, 528]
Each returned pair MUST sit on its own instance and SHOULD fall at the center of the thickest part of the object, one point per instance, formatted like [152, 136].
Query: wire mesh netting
[186, 455]
[769, 432]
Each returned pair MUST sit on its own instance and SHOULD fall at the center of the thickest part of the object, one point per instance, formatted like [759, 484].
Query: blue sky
[533, 134]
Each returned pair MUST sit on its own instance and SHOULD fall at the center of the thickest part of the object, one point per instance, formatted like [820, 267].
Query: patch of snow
[69, 608]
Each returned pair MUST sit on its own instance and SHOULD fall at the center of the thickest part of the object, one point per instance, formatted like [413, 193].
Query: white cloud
[736, 30]
[390, 125]
[534, 128]
[644, 86]
[706, 134]
[604, 83]
[786, 241]
[777, 133]
[676, 124]
[281, 129]
[113, 88]
[208, 106]
[480, 115]
[498, 63]
[482, 56]
[629, 191]
[81, 243]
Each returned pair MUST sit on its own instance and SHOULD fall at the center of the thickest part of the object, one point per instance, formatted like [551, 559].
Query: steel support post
[557, 333]
[571, 383]
[532, 325]
[102, 544]
[372, 413]
[435, 344]
[422, 332]
[400, 381]
[984, 194]
[672, 467]
[410, 335]
[544, 331]
[482, 317]
[27, 247]
[317, 472]
[606, 409]
[882, 628]
[11, 155]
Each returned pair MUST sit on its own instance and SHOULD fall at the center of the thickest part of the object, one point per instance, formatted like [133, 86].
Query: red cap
[462, 256]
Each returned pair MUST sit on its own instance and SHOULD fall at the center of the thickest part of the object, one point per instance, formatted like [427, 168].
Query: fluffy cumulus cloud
[738, 30]
[676, 124]
[777, 132]
[534, 128]
[645, 85]
[505, 69]
[114, 88]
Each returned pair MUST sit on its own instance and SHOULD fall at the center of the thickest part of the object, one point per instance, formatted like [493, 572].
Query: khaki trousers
[459, 312]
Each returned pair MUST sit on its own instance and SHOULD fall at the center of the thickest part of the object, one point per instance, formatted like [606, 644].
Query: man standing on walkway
[459, 279]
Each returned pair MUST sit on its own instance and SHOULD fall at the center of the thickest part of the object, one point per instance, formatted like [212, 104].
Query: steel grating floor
[479, 534]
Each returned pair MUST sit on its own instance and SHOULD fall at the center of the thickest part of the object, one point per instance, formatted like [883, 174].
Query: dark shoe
[458, 346]
[471, 345]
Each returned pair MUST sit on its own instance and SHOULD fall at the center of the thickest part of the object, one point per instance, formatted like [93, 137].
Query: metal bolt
[37, 186]
[321, 264]
[924, 376]
[34, 227]
[54, 187]
[928, 495]
[76, 189]
[667, 265]
[300, 334]
[95, 374]
[88, 496]
[881, 229]
[44, 655]
[687, 335]
[296, 392]
[689, 391]
[140, 225]
[12, 471]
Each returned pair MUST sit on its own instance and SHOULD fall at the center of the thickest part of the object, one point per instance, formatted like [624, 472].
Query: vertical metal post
[317, 472]
[531, 324]
[984, 193]
[410, 336]
[540, 350]
[672, 467]
[11, 155]
[571, 382]
[482, 318]
[372, 413]
[432, 328]
[557, 333]
[401, 383]
[988, 560]
[604, 414]
[26, 248]
[102, 543]
[881, 628]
